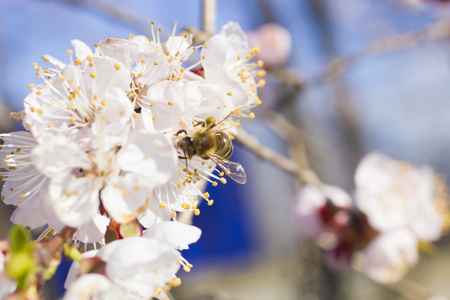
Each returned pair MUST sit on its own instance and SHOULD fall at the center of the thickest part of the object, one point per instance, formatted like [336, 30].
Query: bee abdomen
[224, 146]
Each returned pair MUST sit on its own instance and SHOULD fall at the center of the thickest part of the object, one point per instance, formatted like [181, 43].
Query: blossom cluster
[395, 209]
[102, 149]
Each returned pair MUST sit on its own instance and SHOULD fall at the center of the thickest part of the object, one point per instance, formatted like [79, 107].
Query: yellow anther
[162, 205]
[206, 195]
[137, 188]
[95, 96]
[35, 65]
[93, 75]
[50, 125]
[149, 39]
[21, 196]
[77, 62]
[229, 93]
[215, 183]
[238, 57]
[170, 103]
[203, 57]
[95, 45]
[167, 53]
[131, 35]
[261, 73]
[261, 83]
[72, 120]
[182, 70]
[252, 115]
[134, 115]
[69, 52]
[89, 58]
[221, 173]
[124, 192]
[205, 46]
[257, 100]
[91, 64]
[260, 63]
[197, 212]
[210, 202]
[174, 214]
[40, 111]
[154, 117]
[3, 198]
[158, 291]
[223, 180]
[178, 185]
[103, 103]
[117, 66]
[63, 78]
[31, 85]
[155, 63]
[186, 269]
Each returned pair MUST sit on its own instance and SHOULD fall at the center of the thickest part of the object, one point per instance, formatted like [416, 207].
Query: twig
[250, 142]
[432, 32]
[209, 17]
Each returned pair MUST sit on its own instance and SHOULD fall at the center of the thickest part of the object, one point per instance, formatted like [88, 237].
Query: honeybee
[210, 142]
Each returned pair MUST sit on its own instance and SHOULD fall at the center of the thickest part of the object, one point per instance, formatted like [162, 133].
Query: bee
[211, 142]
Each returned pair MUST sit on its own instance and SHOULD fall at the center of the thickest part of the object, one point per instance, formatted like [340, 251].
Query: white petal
[93, 231]
[174, 234]
[389, 256]
[74, 201]
[126, 197]
[149, 154]
[81, 49]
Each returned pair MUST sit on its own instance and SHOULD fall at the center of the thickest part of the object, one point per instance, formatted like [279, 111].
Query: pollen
[210, 202]
[205, 46]
[77, 62]
[63, 78]
[154, 117]
[31, 85]
[206, 195]
[261, 83]
[131, 35]
[238, 57]
[186, 269]
[260, 63]
[93, 75]
[40, 111]
[197, 212]
[229, 93]
[95, 96]
[21, 196]
[174, 214]
[69, 52]
[89, 58]
[221, 173]
[140, 74]
[103, 103]
[134, 115]
[155, 63]
[117, 66]
[170, 103]
[223, 180]
[252, 115]
[178, 185]
[162, 205]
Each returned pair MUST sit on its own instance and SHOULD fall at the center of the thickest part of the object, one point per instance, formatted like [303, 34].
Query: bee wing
[233, 170]
[235, 118]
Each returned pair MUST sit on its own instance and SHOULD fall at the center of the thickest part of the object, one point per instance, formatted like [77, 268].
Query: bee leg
[180, 132]
[186, 159]
[199, 123]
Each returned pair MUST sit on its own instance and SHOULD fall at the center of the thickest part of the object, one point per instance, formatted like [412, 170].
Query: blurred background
[355, 76]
